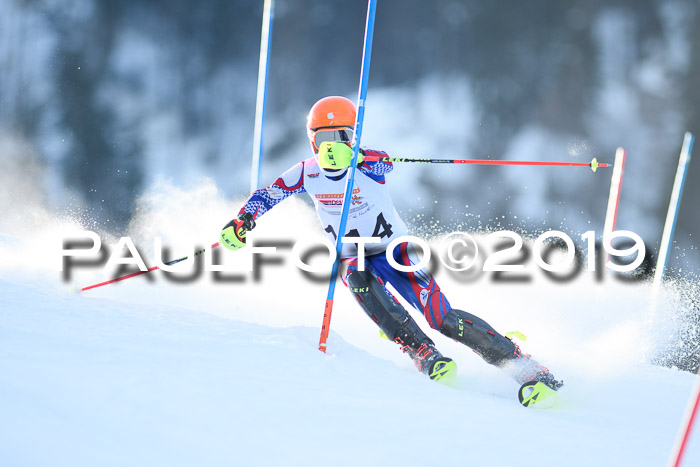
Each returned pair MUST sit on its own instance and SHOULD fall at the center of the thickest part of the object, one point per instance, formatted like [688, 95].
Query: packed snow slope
[211, 372]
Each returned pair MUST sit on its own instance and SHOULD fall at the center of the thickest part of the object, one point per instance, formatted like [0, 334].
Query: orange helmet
[331, 112]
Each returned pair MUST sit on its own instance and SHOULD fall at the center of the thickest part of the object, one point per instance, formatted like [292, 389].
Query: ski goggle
[332, 134]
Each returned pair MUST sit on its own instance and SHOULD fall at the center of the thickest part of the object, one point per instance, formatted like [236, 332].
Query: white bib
[372, 212]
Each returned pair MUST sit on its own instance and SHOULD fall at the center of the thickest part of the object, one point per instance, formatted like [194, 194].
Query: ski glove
[335, 155]
[233, 234]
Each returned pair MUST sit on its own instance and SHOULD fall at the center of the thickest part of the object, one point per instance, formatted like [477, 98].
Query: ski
[444, 372]
[536, 393]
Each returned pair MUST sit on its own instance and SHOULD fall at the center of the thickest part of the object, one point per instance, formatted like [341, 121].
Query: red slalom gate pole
[593, 165]
[138, 273]
[686, 426]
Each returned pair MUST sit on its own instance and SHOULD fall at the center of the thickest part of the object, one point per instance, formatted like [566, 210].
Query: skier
[330, 126]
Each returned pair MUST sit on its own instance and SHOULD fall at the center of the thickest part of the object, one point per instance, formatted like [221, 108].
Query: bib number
[381, 229]
[384, 225]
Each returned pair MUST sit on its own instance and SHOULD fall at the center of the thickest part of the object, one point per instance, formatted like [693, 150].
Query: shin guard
[390, 316]
[479, 336]
[394, 320]
[493, 347]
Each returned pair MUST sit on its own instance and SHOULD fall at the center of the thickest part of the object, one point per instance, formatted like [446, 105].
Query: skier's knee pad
[478, 335]
[376, 302]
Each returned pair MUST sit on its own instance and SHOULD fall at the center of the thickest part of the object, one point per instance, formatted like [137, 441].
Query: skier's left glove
[233, 234]
[334, 155]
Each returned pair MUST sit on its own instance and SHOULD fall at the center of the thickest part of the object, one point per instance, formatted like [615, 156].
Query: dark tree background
[111, 93]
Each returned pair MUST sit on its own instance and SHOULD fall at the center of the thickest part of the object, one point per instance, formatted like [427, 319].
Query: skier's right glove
[233, 234]
[335, 155]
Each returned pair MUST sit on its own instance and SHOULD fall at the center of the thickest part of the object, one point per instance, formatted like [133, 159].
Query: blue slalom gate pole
[347, 201]
[673, 208]
[265, 36]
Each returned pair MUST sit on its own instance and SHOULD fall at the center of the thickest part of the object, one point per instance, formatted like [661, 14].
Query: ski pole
[594, 164]
[138, 273]
[362, 94]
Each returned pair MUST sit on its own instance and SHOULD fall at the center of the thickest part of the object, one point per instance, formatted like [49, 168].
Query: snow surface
[151, 372]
